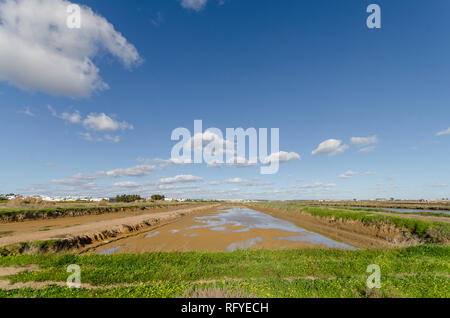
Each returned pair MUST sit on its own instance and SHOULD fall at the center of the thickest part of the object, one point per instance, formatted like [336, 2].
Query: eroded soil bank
[76, 232]
[351, 232]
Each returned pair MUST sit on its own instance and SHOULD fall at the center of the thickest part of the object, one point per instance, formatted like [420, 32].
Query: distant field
[421, 271]
[418, 205]
[430, 231]
[11, 213]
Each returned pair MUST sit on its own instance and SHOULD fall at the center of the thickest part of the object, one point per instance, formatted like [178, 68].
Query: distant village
[72, 198]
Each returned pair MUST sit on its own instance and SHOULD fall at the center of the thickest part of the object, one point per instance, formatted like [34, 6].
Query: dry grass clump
[28, 201]
[213, 292]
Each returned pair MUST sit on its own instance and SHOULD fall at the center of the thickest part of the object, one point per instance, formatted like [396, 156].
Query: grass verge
[420, 271]
[430, 231]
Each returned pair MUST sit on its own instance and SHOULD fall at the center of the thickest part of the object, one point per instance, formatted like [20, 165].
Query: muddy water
[226, 230]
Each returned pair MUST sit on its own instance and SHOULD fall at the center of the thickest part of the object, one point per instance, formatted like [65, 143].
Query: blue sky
[310, 68]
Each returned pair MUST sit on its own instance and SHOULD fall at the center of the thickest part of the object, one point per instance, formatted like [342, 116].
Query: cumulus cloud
[94, 122]
[102, 122]
[38, 52]
[281, 157]
[196, 5]
[364, 141]
[180, 179]
[444, 132]
[331, 147]
[137, 171]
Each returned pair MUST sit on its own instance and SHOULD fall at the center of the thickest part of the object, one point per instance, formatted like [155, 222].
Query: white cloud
[444, 132]
[73, 118]
[38, 52]
[174, 187]
[281, 157]
[196, 5]
[367, 149]
[364, 141]
[102, 122]
[94, 122]
[180, 179]
[444, 185]
[330, 147]
[348, 175]
[236, 181]
[241, 162]
[317, 185]
[113, 139]
[246, 182]
[87, 136]
[137, 171]
[26, 111]
[75, 180]
[176, 161]
[127, 184]
[216, 144]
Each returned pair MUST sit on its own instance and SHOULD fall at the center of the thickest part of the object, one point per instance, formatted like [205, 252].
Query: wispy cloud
[330, 147]
[444, 132]
[180, 179]
[196, 5]
[364, 141]
[26, 111]
[136, 171]
[367, 149]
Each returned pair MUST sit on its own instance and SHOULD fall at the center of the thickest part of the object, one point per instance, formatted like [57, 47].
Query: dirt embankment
[90, 233]
[24, 214]
[351, 232]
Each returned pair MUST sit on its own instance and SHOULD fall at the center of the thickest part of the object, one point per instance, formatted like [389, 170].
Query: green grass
[439, 214]
[432, 231]
[421, 271]
[420, 286]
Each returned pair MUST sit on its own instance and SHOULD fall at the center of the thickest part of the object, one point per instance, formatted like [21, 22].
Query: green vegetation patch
[106, 270]
[432, 231]
[421, 271]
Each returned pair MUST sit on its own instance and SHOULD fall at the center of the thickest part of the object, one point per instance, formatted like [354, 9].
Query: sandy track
[95, 226]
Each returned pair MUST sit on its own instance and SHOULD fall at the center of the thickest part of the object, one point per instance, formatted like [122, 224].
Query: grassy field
[8, 214]
[397, 204]
[421, 271]
[432, 231]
